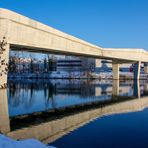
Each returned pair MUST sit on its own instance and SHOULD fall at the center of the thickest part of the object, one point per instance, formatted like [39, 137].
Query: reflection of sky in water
[128, 130]
[27, 100]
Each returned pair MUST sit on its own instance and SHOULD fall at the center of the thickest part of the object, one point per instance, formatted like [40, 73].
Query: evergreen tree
[45, 65]
[31, 66]
[49, 64]
[12, 64]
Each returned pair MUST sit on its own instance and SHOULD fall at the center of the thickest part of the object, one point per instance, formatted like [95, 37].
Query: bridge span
[21, 33]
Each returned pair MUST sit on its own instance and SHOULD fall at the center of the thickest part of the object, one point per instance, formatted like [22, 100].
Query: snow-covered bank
[73, 75]
[6, 142]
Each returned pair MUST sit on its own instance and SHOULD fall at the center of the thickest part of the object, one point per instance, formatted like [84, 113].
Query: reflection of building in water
[24, 96]
[18, 89]
[82, 88]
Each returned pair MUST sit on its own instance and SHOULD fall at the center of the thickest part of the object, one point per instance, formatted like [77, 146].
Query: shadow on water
[48, 110]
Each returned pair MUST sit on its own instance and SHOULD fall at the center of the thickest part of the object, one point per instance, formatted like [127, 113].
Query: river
[76, 113]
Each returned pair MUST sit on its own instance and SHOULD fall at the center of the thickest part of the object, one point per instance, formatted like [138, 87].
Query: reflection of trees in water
[28, 94]
[49, 91]
[23, 92]
[12, 89]
[19, 93]
[13, 98]
[16, 94]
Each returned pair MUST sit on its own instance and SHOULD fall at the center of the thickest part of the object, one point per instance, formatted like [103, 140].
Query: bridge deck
[26, 34]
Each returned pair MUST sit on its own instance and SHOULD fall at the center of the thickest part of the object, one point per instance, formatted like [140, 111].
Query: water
[116, 131]
[25, 97]
[76, 113]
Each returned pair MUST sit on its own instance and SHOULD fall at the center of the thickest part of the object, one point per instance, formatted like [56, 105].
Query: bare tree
[3, 62]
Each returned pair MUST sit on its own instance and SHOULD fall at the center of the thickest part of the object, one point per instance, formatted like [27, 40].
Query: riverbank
[6, 142]
[78, 75]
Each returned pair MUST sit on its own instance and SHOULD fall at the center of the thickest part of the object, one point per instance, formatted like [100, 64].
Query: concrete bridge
[21, 33]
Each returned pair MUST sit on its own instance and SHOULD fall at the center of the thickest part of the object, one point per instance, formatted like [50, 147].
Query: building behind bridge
[20, 62]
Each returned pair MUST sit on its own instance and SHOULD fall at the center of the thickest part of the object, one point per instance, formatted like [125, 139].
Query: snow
[6, 142]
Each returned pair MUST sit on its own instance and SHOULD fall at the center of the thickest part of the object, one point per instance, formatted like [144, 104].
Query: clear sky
[107, 23]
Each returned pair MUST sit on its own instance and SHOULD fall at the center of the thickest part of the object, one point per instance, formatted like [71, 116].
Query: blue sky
[107, 23]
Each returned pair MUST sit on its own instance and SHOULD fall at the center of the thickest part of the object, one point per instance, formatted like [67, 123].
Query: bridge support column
[137, 70]
[4, 57]
[4, 115]
[115, 68]
[146, 87]
[115, 88]
[145, 68]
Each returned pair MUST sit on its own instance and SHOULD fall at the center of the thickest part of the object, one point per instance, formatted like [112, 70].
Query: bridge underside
[22, 33]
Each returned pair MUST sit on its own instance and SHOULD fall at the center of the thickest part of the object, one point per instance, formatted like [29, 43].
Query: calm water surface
[119, 118]
[30, 96]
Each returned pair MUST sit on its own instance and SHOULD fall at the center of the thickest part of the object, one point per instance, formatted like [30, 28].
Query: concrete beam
[115, 68]
[137, 70]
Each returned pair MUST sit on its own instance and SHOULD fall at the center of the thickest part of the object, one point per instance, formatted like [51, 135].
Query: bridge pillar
[137, 70]
[115, 68]
[115, 88]
[146, 87]
[145, 67]
[4, 115]
[4, 57]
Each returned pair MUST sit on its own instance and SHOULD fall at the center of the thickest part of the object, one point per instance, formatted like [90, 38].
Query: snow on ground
[6, 142]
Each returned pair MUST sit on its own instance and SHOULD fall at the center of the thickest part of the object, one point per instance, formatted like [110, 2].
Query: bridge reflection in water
[56, 121]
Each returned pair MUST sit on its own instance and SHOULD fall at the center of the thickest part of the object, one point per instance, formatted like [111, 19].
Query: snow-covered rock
[6, 142]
